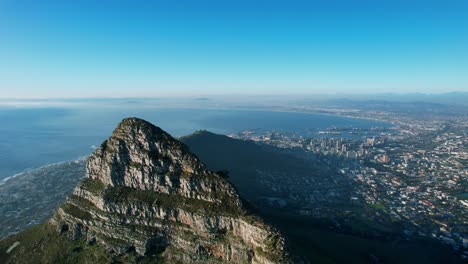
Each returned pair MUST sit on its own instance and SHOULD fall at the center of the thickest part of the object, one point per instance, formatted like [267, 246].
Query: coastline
[270, 109]
[29, 170]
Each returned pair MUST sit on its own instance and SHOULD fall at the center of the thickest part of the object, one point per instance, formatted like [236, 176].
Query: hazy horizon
[225, 95]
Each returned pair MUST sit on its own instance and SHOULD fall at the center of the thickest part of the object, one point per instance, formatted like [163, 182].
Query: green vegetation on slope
[124, 194]
[76, 212]
[94, 186]
[42, 244]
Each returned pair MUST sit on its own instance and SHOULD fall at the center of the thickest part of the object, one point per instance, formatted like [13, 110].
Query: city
[414, 173]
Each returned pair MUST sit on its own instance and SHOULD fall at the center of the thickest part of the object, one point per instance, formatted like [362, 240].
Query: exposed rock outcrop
[145, 192]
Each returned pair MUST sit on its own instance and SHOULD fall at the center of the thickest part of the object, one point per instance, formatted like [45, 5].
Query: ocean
[31, 137]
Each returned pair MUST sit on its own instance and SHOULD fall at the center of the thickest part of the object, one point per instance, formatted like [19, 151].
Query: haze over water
[33, 137]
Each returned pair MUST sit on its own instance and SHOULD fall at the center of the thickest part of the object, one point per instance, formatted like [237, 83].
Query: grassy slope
[42, 244]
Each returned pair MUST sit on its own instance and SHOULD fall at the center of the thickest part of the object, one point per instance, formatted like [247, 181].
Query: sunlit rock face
[146, 192]
[142, 156]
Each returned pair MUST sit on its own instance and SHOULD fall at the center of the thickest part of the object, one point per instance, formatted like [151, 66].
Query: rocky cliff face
[146, 193]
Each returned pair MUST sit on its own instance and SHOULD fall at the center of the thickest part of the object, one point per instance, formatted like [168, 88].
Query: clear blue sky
[152, 48]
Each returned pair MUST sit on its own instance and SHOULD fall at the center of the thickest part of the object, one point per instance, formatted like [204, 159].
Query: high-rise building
[338, 145]
[385, 158]
[361, 150]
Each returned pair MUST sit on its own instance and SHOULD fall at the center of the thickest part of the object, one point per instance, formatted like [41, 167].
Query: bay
[31, 137]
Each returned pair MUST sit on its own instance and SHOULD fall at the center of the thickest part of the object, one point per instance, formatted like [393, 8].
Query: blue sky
[158, 48]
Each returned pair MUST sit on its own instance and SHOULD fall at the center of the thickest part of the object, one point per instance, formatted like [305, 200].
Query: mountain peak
[138, 125]
[145, 191]
[143, 156]
[147, 199]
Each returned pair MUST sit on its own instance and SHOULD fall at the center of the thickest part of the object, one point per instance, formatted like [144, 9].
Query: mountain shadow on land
[315, 238]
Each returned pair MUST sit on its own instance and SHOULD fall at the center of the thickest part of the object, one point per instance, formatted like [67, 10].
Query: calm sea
[33, 137]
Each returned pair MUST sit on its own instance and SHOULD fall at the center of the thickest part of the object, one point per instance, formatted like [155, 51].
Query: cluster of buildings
[417, 177]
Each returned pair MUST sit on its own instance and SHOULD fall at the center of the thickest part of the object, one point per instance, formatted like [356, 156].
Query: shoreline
[5, 180]
[266, 109]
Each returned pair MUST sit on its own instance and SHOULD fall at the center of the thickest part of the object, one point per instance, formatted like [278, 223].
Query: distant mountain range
[239, 100]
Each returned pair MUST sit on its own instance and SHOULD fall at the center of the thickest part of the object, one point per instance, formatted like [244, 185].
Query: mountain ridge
[147, 198]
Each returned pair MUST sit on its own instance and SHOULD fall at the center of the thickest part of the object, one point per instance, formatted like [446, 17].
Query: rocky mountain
[147, 198]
